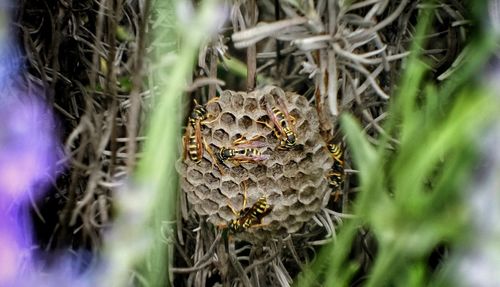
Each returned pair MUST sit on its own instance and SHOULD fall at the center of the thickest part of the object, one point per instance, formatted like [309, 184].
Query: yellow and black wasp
[243, 151]
[336, 174]
[248, 217]
[193, 139]
[284, 125]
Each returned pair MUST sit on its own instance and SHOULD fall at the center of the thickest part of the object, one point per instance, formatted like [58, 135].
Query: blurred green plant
[136, 246]
[411, 184]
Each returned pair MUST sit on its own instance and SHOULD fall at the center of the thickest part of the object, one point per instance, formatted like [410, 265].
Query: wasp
[336, 174]
[193, 139]
[284, 123]
[249, 217]
[244, 151]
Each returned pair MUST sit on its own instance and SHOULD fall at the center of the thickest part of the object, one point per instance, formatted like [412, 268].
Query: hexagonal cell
[307, 195]
[301, 102]
[227, 119]
[200, 209]
[229, 188]
[217, 196]
[302, 126]
[309, 144]
[202, 191]
[237, 101]
[283, 184]
[258, 171]
[209, 205]
[220, 135]
[205, 164]
[239, 171]
[265, 101]
[192, 198]
[275, 171]
[226, 214]
[194, 176]
[250, 105]
[211, 180]
[307, 162]
[280, 213]
[214, 109]
[307, 191]
[245, 123]
[237, 202]
[225, 97]
[314, 205]
[290, 169]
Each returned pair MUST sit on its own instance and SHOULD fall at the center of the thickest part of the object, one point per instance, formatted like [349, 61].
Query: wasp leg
[184, 147]
[293, 121]
[209, 119]
[212, 100]
[221, 226]
[336, 195]
[244, 194]
[243, 141]
[235, 162]
[233, 210]
[185, 144]
[276, 133]
[259, 225]
[214, 158]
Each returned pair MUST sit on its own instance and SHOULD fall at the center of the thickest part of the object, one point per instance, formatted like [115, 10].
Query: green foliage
[410, 184]
[148, 205]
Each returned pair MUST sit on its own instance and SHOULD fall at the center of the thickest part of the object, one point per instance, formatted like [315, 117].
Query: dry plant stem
[28, 42]
[212, 88]
[332, 83]
[250, 36]
[54, 50]
[251, 50]
[200, 82]
[112, 19]
[237, 266]
[198, 267]
[388, 20]
[75, 174]
[135, 101]
[278, 42]
[266, 260]
[293, 251]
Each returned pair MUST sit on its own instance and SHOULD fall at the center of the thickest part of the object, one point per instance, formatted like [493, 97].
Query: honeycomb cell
[237, 101]
[211, 180]
[300, 102]
[258, 171]
[205, 164]
[194, 176]
[229, 188]
[276, 171]
[245, 123]
[214, 109]
[227, 119]
[202, 191]
[250, 105]
[220, 135]
[239, 170]
[307, 191]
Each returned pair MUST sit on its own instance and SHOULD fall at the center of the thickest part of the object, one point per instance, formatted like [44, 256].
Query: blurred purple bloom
[29, 150]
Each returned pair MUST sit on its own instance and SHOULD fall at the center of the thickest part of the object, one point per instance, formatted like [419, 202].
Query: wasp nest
[293, 180]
